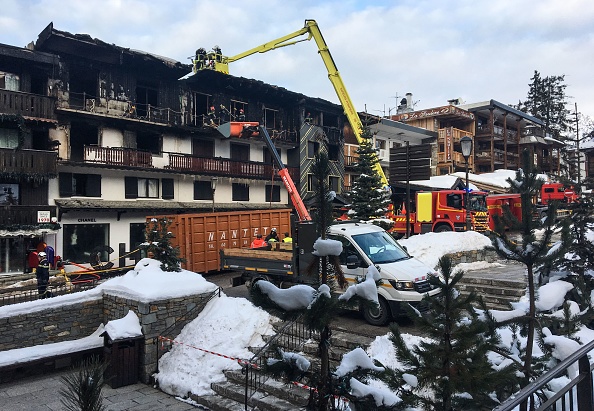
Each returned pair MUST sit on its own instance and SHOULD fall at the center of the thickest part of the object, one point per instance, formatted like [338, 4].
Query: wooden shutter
[167, 188]
[93, 188]
[65, 184]
[131, 184]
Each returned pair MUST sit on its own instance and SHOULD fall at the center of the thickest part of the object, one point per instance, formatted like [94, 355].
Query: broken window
[9, 81]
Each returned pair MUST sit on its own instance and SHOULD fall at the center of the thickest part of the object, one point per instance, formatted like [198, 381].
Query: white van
[405, 279]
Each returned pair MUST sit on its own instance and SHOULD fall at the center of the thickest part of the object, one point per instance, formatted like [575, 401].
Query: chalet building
[95, 138]
[499, 132]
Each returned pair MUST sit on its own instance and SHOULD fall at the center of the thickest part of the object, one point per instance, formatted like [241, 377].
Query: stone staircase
[276, 395]
[498, 286]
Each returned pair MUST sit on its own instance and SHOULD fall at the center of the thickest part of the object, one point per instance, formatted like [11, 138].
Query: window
[80, 240]
[270, 118]
[312, 148]
[203, 190]
[84, 185]
[333, 183]
[312, 183]
[272, 194]
[9, 194]
[9, 138]
[146, 187]
[151, 142]
[333, 152]
[137, 237]
[9, 81]
[240, 152]
[241, 192]
[268, 157]
[381, 144]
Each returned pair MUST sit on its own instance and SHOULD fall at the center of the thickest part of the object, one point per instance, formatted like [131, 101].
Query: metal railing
[20, 294]
[292, 336]
[577, 394]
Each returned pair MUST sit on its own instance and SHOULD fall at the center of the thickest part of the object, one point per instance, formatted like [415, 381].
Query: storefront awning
[27, 233]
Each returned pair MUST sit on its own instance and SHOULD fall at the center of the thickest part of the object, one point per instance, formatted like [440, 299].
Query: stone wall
[488, 254]
[56, 324]
[78, 320]
[155, 317]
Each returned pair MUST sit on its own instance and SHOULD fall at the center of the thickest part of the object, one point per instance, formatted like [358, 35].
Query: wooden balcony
[118, 156]
[23, 162]
[457, 134]
[27, 104]
[23, 214]
[225, 167]
[456, 157]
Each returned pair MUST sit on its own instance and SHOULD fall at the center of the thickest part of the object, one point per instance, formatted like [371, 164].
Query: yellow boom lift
[214, 60]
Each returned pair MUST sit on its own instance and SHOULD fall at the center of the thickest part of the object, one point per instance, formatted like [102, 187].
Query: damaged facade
[113, 135]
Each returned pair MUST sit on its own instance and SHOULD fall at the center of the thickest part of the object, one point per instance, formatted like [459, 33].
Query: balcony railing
[118, 156]
[27, 104]
[23, 214]
[350, 161]
[36, 162]
[123, 109]
[225, 166]
[455, 157]
[457, 134]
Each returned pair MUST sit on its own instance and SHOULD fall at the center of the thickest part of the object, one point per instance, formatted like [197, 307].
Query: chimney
[409, 104]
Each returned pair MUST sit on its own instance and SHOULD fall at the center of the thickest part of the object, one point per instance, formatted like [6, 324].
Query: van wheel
[378, 315]
[443, 228]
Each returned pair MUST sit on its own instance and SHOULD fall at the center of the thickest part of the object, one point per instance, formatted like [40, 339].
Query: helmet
[273, 230]
[42, 254]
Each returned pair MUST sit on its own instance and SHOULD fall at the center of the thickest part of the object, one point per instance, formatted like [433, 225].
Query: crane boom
[221, 63]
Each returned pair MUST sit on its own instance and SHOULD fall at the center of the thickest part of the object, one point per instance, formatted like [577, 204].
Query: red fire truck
[443, 210]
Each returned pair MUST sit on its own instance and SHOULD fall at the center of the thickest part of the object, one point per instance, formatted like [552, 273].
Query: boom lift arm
[237, 129]
[221, 63]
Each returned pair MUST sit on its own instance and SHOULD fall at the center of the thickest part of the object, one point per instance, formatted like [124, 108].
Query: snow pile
[227, 326]
[127, 327]
[429, 247]
[147, 282]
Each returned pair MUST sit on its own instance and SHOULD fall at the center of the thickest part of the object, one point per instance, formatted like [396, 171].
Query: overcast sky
[437, 50]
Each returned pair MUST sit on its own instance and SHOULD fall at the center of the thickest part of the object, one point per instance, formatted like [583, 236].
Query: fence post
[584, 387]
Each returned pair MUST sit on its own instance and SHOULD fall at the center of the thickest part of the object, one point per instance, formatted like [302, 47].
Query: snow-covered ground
[220, 337]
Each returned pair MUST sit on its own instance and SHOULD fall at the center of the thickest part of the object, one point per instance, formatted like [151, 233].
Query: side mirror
[353, 261]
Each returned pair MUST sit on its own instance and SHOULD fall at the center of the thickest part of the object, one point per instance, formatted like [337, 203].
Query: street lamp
[213, 185]
[466, 144]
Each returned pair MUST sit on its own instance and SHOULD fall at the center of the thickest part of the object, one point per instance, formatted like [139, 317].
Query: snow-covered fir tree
[450, 369]
[158, 244]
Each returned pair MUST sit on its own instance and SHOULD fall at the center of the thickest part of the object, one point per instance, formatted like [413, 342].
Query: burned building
[114, 135]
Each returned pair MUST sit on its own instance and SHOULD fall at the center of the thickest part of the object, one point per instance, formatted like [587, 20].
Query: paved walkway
[42, 393]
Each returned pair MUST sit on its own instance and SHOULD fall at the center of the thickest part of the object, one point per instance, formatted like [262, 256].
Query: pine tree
[547, 101]
[529, 249]
[451, 367]
[158, 243]
[82, 390]
[368, 197]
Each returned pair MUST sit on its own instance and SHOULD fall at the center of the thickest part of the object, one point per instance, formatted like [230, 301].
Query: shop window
[83, 185]
[81, 241]
[203, 190]
[241, 192]
[137, 237]
[272, 194]
[11, 255]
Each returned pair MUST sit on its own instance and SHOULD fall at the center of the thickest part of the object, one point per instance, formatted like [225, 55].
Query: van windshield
[380, 247]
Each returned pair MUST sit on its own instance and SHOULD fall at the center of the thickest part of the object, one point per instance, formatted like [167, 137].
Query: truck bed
[249, 253]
